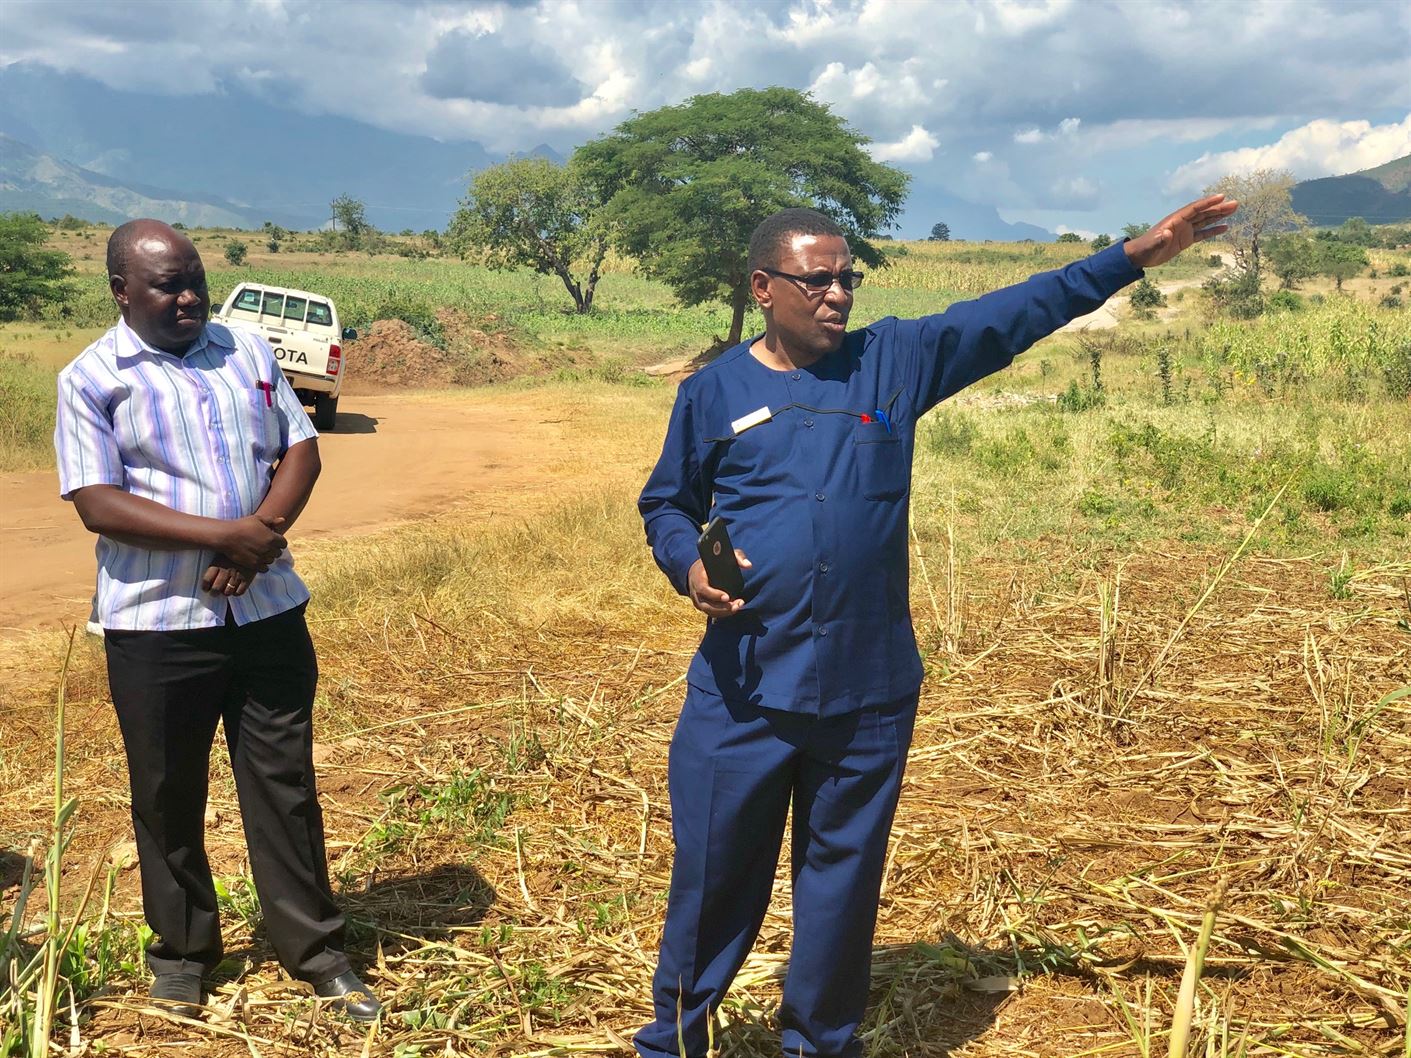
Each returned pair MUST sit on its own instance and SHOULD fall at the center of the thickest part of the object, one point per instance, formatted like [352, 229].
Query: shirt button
[822, 567]
[808, 423]
[796, 376]
[819, 497]
[823, 631]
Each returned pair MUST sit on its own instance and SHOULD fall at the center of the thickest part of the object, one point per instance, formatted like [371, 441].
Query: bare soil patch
[394, 458]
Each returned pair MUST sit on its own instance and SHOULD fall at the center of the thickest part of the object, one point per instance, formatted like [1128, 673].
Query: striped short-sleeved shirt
[199, 433]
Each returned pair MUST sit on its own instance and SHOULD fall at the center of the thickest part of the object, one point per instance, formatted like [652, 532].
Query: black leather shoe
[350, 996]
[179, 993]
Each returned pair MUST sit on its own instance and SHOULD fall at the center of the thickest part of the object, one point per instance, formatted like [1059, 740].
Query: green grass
[1129, 472]
[27, 398]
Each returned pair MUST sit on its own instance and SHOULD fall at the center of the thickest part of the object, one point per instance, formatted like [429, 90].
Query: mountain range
[1379, 196]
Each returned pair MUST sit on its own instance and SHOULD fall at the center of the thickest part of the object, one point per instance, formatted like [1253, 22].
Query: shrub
[952, 435]
[1399, 269]
[235, 252]
[1080, 398]
[1285, 301]
[1146, 298]
[1237, 296]
[417, 314]
[1390, 301]
[1329, 489]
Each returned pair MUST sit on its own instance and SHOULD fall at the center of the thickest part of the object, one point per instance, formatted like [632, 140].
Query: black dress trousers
[170, 689]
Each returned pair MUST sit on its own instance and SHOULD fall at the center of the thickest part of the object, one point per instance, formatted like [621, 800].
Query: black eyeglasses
[818, 282]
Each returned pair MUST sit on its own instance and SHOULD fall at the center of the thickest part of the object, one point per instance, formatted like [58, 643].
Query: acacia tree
[348, 211]
[940, 232]
[1266, 208]
[1341, 260]
[535, 213]
[30, 276]
[1292, 257]
[687, 184]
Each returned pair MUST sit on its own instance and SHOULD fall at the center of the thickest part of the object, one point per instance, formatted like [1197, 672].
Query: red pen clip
[268, 388]
[865, 417]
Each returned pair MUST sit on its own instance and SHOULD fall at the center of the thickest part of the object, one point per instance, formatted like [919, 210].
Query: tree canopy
[535, 213]
[30, 276]
[940, 232]
[687, 184]
[1266, 208]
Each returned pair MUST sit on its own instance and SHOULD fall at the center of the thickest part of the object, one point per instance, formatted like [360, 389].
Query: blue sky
[1072, 115]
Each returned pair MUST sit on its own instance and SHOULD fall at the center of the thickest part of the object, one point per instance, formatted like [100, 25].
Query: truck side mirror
[350, 334]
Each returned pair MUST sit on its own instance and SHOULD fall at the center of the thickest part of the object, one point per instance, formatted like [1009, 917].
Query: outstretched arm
[973, 339]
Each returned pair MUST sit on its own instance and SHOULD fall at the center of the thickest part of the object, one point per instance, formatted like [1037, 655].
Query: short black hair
[777, 228]
[120, 245]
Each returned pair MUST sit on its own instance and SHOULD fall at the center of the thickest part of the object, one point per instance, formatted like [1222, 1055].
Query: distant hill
[968, 220]
[32, 181]
[268, 160]
[1379, 196]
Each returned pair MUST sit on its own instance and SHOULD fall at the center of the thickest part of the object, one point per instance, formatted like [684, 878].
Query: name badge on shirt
[754, 418]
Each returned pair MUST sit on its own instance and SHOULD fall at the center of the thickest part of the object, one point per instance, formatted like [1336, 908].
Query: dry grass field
[1167, 634]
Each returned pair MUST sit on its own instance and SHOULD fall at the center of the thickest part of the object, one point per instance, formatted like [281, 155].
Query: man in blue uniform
[805, 688]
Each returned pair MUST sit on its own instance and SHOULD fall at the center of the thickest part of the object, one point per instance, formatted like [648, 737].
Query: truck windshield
[320, 314]
[249, 300]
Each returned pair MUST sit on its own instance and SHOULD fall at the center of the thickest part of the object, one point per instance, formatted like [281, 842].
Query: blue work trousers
[733, 771]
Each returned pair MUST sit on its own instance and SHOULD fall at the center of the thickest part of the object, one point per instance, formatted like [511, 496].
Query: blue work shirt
[817, 492]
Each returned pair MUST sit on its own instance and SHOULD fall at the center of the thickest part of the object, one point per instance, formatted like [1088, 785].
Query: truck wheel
[325, 411]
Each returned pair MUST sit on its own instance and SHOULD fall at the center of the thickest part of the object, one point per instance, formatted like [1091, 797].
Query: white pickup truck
[302, 329]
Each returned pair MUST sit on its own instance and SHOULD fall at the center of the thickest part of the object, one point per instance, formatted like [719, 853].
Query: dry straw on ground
[1095, 759]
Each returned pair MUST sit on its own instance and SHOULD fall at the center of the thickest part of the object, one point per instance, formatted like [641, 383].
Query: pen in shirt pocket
[268, 389]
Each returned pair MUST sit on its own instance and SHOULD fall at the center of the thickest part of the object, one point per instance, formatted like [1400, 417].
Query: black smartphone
[718, 555]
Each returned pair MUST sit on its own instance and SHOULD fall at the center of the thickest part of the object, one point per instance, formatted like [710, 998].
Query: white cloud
[982, 156]
[1320, 148]
[1063, 229]
[1014, 18]
[918, 145]
[1066, 128]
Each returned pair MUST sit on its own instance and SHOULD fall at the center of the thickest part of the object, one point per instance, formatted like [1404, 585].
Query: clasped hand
[249, 546]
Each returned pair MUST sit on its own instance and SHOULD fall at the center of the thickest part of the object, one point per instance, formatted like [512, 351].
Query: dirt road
[1111, 313]
[394, 458]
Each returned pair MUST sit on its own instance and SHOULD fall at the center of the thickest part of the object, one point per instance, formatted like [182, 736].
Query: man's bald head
[136, 235]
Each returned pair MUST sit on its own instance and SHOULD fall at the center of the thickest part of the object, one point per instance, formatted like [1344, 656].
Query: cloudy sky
[1060, 112]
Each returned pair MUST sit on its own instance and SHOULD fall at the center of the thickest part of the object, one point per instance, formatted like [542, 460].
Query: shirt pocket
[263, 423]
[881, 461]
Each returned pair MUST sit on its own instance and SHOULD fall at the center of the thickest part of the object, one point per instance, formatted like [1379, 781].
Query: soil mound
[391, 356]
[483, 352]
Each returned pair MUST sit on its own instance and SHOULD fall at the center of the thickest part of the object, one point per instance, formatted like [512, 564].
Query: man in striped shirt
[183, 447]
